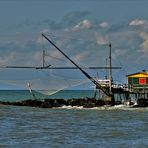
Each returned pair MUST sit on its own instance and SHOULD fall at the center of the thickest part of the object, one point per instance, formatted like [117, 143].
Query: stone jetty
[53, 103]
[77, 102]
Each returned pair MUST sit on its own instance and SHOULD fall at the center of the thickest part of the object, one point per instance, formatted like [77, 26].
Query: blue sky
[81, 28]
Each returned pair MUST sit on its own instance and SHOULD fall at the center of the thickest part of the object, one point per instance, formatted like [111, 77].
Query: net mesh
[47, 82]
[50, 81]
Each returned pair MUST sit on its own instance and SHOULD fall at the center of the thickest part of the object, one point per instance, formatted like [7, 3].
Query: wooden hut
[138, 83]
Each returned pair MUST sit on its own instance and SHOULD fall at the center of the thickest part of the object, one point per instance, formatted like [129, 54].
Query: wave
[116, 107]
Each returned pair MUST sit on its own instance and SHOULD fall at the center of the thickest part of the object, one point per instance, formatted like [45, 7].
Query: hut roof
[138, 74]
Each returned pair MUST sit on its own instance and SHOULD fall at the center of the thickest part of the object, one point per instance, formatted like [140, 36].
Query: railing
[137, 87]
[115, 84]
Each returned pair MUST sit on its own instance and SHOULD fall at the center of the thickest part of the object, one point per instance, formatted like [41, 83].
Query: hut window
[142, 81]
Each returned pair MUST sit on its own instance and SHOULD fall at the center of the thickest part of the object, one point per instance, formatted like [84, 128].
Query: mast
[106, 70]
[43, 58]
[110, 75]
[110, 69]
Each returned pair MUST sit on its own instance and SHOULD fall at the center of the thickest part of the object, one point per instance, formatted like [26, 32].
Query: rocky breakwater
[141, 102]
[53, 103]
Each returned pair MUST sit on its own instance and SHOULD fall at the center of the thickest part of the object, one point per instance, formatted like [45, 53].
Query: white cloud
[37, 56]
[144, 35]
[144, 45]
[85, 24]
[119, 53]
[104, 24]
[100, 39]
[81, 56]
[45, 31]
[7, 60]
[137, 22]
[40, 39]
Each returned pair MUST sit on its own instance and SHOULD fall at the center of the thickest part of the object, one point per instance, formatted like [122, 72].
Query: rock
[142, 102]
[32, 103]
[75, 102]
[101, 103]
[49, 103]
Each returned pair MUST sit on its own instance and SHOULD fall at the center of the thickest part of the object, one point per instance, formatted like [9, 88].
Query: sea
[70, 127]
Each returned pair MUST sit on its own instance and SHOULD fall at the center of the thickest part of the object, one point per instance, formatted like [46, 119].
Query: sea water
[118, 126]
[18, 95]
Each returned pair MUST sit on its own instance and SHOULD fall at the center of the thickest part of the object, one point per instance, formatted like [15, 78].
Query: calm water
[117, 126]
[16, 95]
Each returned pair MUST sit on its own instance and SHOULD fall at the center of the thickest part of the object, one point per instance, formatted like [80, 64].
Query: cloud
[80, 57]
[104, 25]
[100, 39]
[41, 39]
[85, 24]
[79, 37]
[144, 44]
[7, 60]
[144, 35]
[137, 22]
[74, 17]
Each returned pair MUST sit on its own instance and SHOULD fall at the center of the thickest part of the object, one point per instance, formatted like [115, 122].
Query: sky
[81, 28]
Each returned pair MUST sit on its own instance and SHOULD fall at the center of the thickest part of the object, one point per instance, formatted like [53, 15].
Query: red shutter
[142, 81]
